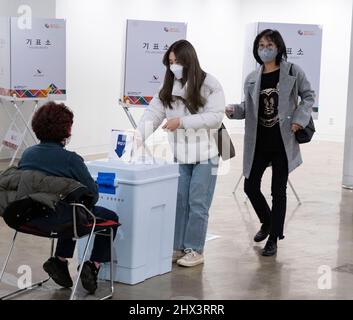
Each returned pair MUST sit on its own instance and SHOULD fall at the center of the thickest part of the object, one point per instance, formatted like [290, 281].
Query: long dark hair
[277, 39]
[192, 74]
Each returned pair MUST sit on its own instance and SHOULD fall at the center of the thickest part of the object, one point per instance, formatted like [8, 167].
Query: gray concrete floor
[319, 238]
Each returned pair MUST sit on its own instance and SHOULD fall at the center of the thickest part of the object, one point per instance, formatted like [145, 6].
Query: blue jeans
[195, 192]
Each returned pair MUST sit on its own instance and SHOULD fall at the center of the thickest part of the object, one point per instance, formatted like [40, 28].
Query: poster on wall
[146, 44]
[303, 42]
[36, 61]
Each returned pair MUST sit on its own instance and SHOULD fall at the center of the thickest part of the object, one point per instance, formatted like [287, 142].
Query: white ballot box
[144, 197]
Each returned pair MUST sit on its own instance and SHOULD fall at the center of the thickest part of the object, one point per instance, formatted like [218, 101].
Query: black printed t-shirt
[268, 130]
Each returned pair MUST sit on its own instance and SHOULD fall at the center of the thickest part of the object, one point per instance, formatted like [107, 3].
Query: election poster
[33, 64]
[146, 44]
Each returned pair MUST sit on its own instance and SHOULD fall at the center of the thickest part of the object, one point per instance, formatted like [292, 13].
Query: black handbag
[304, 135]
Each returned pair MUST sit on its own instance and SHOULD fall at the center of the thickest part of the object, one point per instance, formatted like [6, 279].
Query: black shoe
[270, 248]
[89, 276]
[58, 270]
[262, 233]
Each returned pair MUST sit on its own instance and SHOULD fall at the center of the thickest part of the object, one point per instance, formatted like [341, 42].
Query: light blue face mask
[267, 54]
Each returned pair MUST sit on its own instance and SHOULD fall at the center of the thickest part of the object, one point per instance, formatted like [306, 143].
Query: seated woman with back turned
[52, 125]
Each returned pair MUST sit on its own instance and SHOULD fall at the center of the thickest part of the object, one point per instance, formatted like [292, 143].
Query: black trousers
[252, 187]
[101, 248]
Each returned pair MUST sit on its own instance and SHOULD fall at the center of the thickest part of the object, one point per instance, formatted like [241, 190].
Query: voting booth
[32, 71]
[144, 197]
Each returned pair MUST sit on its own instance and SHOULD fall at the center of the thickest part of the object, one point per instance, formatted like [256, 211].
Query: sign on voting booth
[146, 44]
[33, 61]
[32, 68]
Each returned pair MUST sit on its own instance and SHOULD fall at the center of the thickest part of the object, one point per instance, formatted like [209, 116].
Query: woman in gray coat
[272, 116]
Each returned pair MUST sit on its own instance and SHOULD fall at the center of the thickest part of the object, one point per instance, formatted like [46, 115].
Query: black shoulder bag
[303, 135]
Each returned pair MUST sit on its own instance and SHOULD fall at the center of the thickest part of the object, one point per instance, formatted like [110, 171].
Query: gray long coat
[290, 87]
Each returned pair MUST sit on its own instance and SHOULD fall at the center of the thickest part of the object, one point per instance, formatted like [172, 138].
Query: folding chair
[77, 234]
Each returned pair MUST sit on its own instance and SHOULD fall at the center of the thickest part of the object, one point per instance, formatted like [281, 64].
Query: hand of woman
[296, 127]
[172, 124]
[229, 111]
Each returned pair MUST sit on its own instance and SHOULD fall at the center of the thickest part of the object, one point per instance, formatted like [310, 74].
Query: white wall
[96, 31]
[40, 8]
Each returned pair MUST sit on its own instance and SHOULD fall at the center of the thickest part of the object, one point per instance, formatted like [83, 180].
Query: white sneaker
[177, 254]
[190, 259]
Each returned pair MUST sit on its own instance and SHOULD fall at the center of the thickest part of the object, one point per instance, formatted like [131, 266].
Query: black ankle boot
[270, 248]
[262, 233]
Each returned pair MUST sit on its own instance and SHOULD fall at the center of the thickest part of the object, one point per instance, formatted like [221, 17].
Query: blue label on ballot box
[105, 181]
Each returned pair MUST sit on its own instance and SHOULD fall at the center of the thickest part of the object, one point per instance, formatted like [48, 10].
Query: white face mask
[177, 69]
